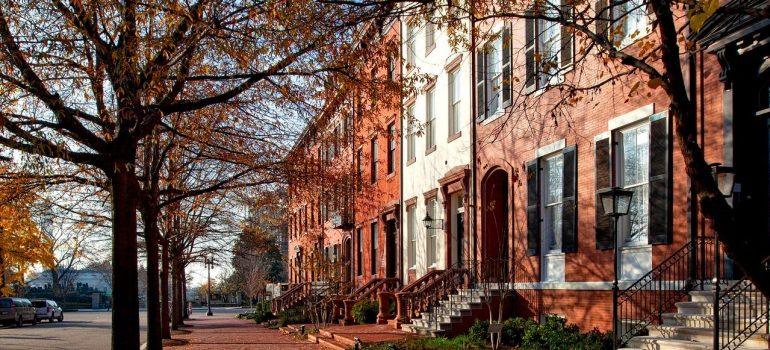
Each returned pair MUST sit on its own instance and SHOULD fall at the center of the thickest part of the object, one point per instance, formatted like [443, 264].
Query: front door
[390, 250]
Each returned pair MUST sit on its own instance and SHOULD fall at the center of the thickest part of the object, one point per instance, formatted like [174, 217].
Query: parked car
[17, 311]
[47, 310]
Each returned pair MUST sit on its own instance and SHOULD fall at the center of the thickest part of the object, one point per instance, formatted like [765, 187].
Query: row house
[485, 162]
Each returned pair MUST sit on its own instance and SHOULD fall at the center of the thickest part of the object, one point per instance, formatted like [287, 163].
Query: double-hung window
[411, 46]
[493, 75]
[430, 120]
[553, 182]
[359, 169]
[430, 37]
[410, 133]
[373, 150]
[629, 21]
[633, 171]
[359, 256]
[548, 48]
[411, 226]
[391, 148]
[374, 248]
[430, 207]
[454, 102]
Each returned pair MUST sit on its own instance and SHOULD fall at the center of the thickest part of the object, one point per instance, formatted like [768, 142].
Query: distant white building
[87, 278]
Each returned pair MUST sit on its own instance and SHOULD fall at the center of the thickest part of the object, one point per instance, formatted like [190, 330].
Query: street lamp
[616, 202]
[725, 177]
[209, 261]
[431, 223]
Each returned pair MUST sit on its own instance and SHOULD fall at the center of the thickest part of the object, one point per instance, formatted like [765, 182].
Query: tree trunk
[164, 275]
[125, 298]
[151, 232]
[176, 320]
[55, 286]
[740, 245]
[183, 286]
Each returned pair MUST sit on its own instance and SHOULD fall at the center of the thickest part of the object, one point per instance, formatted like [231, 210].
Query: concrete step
[707, 308]
[332, 344]
[656, 343]
[708, 296]
[700, 335]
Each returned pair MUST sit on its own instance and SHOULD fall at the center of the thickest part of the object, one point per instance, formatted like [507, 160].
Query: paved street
[80, 330]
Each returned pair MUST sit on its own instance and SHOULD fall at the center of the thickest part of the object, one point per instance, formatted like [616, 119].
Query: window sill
[411, 161]
[430, 150]
[391, 175]
[636, 247]
[454, 137]
[493, 117]
[429, 49]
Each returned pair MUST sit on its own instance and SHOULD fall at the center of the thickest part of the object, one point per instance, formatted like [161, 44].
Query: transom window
[633, 171]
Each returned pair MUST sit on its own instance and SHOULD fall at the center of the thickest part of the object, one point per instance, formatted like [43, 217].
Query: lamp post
[616, 202]
[209, 261]
[725, 178]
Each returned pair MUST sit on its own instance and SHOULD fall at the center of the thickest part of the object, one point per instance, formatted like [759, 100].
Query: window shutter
[659, 204]
[603, 16]
[566, 34]
[569, 201]
[507, 78]
[533, 208]
[531, 70]
[604, 238]
[481, 102]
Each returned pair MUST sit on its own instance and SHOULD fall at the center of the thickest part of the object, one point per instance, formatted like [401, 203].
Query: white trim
[550, 148]
[631, 117]
[586, 286]
[602, 136]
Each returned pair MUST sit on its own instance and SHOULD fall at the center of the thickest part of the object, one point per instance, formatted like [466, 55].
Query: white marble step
[700, 335]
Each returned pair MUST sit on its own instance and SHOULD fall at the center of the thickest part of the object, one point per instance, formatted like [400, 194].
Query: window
[633, 172]
[391, 148]
[493, 70]
[411, 226]
[374, 247]
[430, 39]
[410, 133]
[630, 21]
[360, 169]
[454, 102]
[553, 182]
[359, 257]
[430, 208]
[391, 68]
[549, 48]
[430, 124]
[411, 49]
[373, 166]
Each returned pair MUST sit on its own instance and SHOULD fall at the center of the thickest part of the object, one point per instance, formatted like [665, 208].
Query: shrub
[479, 331]
[366, 311]
[291, 316]
[556, 334]
[513, 330]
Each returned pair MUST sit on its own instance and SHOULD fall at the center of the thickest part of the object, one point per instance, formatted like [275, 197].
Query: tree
[101, 75]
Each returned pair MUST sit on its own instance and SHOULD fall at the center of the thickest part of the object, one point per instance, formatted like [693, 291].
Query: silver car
[47, 310]
[16, 311]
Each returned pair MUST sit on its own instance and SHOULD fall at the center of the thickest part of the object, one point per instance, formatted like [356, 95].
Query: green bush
[556, 334]
[292, 316]
[479, 331]
[513, 330]
[365, 311]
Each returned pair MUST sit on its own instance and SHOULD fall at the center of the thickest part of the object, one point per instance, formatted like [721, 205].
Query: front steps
[691, 328]
[452, 316]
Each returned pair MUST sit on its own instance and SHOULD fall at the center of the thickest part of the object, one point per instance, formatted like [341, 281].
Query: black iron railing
[645, 301]
[742, 311]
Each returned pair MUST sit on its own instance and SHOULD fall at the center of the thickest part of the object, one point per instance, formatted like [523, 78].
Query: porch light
[431, 223]
[616, 201]
[725, 176]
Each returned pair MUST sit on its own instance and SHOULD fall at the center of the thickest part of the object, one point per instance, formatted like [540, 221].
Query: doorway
[390, 249]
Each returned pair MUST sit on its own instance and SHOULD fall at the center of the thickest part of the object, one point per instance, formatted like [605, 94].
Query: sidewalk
[229, 333]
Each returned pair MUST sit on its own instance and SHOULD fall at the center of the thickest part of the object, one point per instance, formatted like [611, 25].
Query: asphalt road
[86, 330]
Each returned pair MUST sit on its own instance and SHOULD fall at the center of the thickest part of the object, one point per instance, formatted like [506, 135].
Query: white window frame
[430, 37]
[635, 23]
[431, 241]
[640, 188]
[411, 226]
[545, 42]
[430, 118]
[493, 69]
[411, 47]
[411, 153]
[455, 98]
[549, 235]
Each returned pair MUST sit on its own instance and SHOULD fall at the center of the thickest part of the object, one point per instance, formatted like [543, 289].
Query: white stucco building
[436, 150]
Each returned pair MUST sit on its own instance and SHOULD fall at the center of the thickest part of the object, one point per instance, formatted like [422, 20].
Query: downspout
[472, 196]
[404, 277]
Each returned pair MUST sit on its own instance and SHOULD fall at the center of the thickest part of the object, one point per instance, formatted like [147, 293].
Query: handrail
[421, 281]
[363, 289]
[743, 311]
[383, 285]
[288, 299]
[646, 300]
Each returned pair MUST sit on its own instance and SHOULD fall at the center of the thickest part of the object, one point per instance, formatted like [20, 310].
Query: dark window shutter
[604, 239]
[529, 54]
[566, 34]
[507, 79]
[603, 16]
[533, 208]
[569, 201]
[481, 102]
[660, 205]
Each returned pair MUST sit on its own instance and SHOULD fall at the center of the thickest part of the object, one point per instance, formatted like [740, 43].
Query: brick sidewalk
[230, 333]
